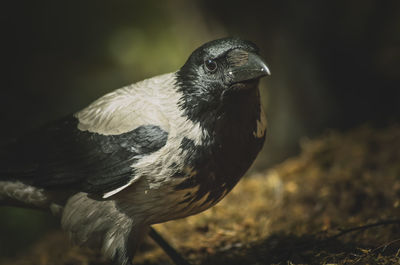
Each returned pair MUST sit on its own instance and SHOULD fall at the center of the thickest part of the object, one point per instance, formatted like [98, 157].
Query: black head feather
[217, 76]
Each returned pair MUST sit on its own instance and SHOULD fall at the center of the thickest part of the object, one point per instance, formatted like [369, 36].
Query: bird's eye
[211, 65]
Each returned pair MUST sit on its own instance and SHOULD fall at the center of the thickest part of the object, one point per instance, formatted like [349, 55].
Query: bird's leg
[171, 252]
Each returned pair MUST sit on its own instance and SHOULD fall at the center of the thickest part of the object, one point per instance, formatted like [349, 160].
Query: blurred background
[334, 64]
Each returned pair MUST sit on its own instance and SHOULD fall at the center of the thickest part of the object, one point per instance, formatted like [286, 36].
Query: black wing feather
[59, 155]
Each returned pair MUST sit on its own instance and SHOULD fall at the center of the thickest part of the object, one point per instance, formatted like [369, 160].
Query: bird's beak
[247, 66]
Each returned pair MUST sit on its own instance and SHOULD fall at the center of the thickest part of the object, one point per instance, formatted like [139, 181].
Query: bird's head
[216, 73]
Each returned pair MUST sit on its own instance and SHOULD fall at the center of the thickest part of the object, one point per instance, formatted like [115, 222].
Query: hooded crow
[163, 148]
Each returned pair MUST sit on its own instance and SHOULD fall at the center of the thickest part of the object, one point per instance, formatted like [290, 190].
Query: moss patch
[291, 214]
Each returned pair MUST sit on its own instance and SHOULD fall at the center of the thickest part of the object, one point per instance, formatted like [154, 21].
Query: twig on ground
[384, 246]
[363, 227]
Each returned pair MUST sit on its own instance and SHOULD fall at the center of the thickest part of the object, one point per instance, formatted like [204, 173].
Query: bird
[160, 149]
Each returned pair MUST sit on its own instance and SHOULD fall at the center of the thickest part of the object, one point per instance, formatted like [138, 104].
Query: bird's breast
[213, 169]
[195, 169]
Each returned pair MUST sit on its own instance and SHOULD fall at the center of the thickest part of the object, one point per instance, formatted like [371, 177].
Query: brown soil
[298, 212]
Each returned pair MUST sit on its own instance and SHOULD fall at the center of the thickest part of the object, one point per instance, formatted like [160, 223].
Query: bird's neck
[232, 109]
[239, 110]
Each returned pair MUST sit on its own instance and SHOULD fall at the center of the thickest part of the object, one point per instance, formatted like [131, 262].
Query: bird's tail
[16, 193]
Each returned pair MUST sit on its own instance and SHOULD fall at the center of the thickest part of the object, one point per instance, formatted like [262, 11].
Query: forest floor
[338, 202]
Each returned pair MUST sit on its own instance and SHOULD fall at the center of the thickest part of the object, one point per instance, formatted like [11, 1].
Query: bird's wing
[60, 155]
[94, 150]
